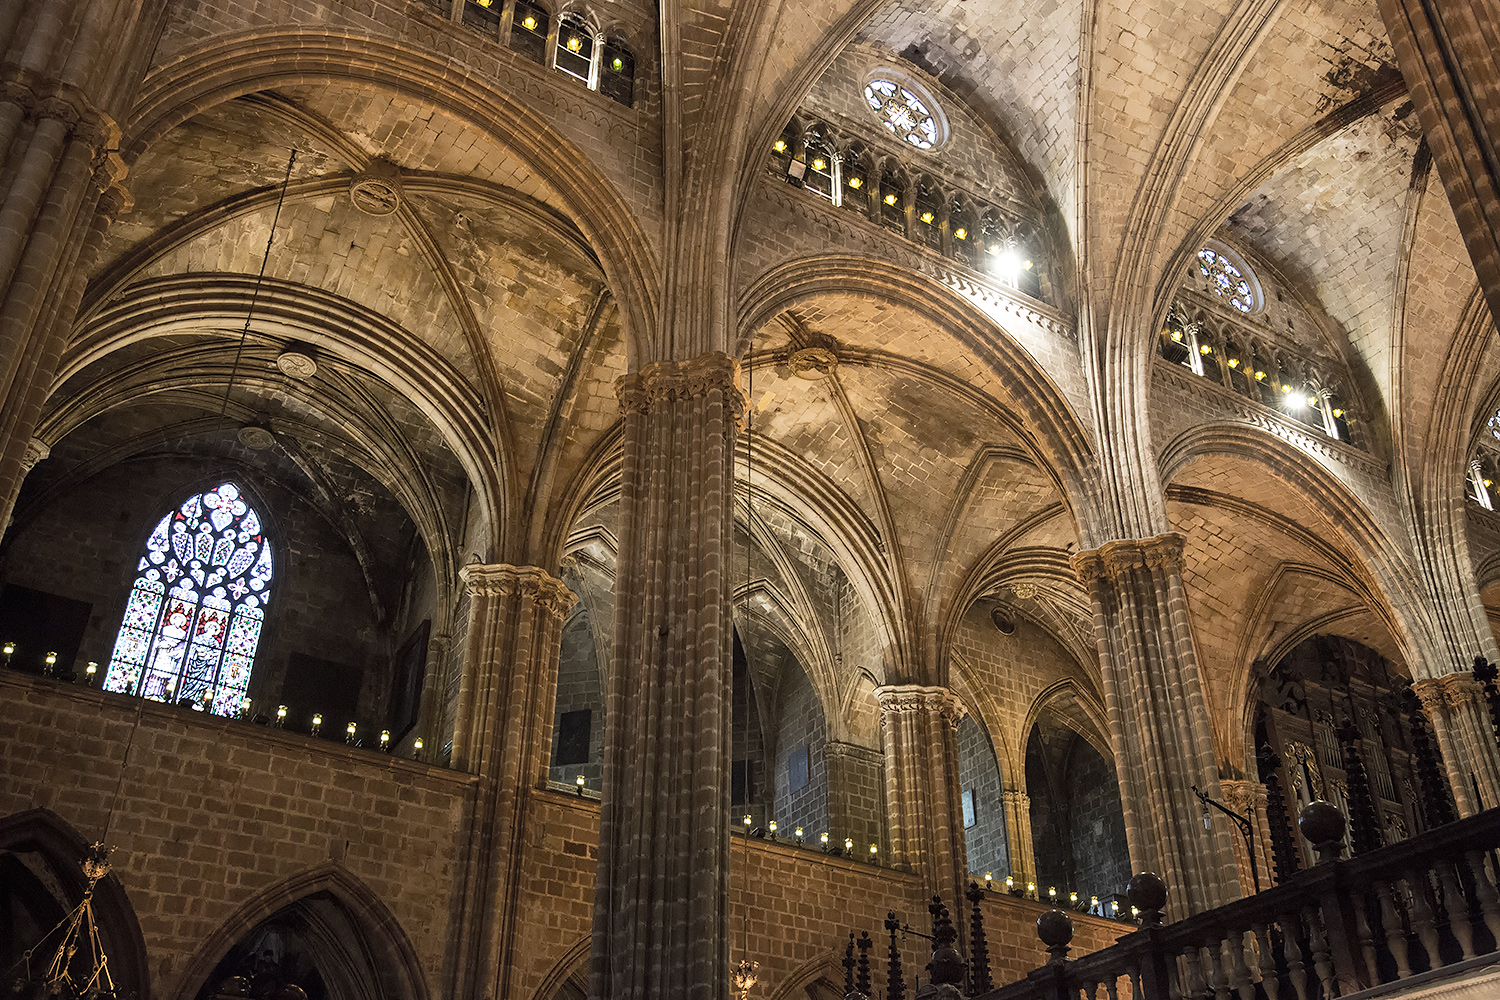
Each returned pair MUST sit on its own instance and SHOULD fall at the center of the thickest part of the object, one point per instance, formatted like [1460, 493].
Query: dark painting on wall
[406, 689]
[39, 623]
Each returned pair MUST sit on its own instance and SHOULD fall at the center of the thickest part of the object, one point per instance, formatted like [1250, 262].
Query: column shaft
[1460, 720]
[920, 728]
[503, 730]
[1158, 719]
[1019, 842]
[660, 928]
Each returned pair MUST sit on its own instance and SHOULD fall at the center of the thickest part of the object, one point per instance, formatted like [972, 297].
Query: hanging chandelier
[79, 930]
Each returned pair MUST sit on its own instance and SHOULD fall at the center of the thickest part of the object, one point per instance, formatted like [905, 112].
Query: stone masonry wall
[979, 774]
[212, 812]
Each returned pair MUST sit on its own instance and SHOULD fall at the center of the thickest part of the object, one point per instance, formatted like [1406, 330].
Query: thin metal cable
[265, 259]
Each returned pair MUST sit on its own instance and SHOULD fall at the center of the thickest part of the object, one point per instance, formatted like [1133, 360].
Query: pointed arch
[47, 834]
[195, 612]
[385, 947]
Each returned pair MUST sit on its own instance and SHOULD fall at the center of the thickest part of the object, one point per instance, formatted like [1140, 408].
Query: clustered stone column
[63, 172]
[504, 728]
[1249, 799]
[1158, 718]
[660, 920]
[1460, 720]
[920, 728]
[1018, 837]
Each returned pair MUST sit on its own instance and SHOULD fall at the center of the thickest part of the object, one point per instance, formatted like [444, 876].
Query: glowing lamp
[961, 233]
[771, 826]
[1234, 362]
[874, 850]
[1072, 897]
[823, 838]
[1260, 376]
[1052, 891]
[849, 844]
[618, 65]
[856, 182]
[819, 163]
[317, 726]
[1010, 882]
[575, 43]
[1205, 349]
[747, 821]
[385, 740]
[485, 3]
[90, 670]
[529, 23]
[927, 217]
[1026, 264]
[1177, 335]
[890, 199]
[798, 834]
[780, 146]
[1338, 413]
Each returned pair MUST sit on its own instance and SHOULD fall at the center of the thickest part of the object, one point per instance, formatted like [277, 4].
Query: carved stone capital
[36, 450]
[1430, 691]
[1016, 796]
[1243, 796]
[1460, 689]
[532, 583]
[1113, 560]
[667, 381]
[898, 699]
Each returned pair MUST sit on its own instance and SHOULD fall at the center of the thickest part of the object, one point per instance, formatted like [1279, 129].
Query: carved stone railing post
[920, 726]
[502, 733]
[1460, 721]
[660, 899]
[1158, 717]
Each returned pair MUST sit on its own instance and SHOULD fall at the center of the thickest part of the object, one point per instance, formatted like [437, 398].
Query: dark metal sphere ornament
[1148, 894]
[1323, 826]
[1055, 928]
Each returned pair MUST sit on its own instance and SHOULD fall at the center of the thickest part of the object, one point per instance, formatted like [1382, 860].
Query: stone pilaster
[503, 732]
[660, 900]
[434, 683]
[1158, 719]
[1021, 847]
[55, 120]
[1249, 799]
[1460, 719]
[920, 729]
[856, 795]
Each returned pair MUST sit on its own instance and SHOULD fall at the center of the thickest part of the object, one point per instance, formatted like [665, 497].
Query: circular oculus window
[1230, 278]
[905, 109]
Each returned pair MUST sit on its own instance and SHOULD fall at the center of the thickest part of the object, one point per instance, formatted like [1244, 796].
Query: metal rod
[1247, 829]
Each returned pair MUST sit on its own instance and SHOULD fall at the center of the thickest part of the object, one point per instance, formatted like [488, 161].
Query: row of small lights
[91, 672]
[823, 841]
[1011, 260]
[1031, 893]
[1260, 376]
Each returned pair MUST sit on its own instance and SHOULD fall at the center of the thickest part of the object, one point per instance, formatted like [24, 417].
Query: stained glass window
[195, 611]
[1226, 279]
[903, 113]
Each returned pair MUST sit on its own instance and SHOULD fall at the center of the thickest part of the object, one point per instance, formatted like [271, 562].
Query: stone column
[920, 729]
[62, 142]
[660, 927]
[1019, 843]
[1448, 54]
[502, 734]
[1461, 721]
[1158, 719]
[1249, 799]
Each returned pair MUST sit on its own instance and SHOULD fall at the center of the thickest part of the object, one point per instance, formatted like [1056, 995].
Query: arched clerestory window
[196, 608]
